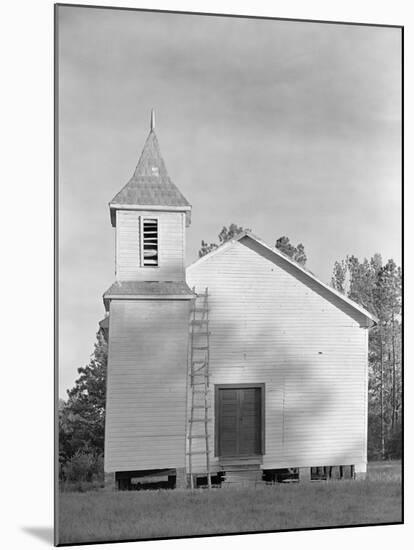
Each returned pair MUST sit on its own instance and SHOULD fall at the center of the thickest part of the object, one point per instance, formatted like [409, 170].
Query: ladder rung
[200, 347]
[199, 370]
[198, 361]
[204, 333]
[199, 309]
[199, 321]
[199, 407]
[204, 436]
[199, 392]
[200, 420]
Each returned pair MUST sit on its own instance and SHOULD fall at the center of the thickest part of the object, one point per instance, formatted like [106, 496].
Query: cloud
[285, 127]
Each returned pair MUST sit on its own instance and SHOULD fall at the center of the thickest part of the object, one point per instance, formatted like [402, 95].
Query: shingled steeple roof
[150, 184]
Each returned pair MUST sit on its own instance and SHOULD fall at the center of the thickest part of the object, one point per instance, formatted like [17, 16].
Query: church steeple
[150, 186]
[150, 216]
[151, 162]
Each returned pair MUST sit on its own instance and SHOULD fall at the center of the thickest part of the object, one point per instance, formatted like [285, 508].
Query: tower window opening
[149, 242]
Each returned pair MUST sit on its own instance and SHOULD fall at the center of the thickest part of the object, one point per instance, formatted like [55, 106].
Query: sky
[286, 128]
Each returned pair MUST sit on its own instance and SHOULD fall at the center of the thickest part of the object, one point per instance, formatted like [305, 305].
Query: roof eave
[113, 207]
[108, 297]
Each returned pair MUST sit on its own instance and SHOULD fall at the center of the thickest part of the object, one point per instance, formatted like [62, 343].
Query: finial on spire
[152, 119]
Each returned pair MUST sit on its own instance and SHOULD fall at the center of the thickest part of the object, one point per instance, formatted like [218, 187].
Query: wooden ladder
[199, 382]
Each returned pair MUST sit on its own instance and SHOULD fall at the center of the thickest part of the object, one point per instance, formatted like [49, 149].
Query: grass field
[104, 516]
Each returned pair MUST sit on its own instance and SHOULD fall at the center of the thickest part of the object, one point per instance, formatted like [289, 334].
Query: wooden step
[243, 477]
[200, 420]
[204, 348]
[250, 476]
[240, 467]
[197, 453]
[204, 436]
[241, 470]
[240, 463]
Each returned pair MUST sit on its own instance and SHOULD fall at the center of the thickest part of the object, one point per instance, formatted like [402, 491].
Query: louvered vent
[149, 242]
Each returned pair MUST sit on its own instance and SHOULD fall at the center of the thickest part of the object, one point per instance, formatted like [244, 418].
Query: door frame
[217, 388]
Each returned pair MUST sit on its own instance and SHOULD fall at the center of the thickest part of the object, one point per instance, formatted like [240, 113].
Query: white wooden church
[260, 373]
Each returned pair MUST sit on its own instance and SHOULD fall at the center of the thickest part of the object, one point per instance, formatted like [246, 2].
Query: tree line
[377, 286]
[82, 423]
[373, 284]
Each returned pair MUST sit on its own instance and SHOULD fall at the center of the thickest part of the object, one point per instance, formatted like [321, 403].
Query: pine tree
[297, 253]
[225, 235]
[82, 416]
[377, 288]
[206, 248]
[339, 276]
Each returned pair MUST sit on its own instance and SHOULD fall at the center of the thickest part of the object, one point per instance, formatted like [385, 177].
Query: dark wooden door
[239, 422]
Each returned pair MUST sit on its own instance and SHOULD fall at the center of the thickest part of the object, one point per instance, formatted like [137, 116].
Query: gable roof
[304, 275]
[150, 185]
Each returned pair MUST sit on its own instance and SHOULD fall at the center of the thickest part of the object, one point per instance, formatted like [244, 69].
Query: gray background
[288, 128]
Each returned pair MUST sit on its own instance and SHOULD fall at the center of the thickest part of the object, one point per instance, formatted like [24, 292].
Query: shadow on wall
[304, 395]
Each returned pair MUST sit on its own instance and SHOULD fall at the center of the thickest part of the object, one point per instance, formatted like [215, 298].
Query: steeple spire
[150, 185]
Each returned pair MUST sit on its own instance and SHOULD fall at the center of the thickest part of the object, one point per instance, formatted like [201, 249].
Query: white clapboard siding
[171, 260]
[269, 327]
[146, 390]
